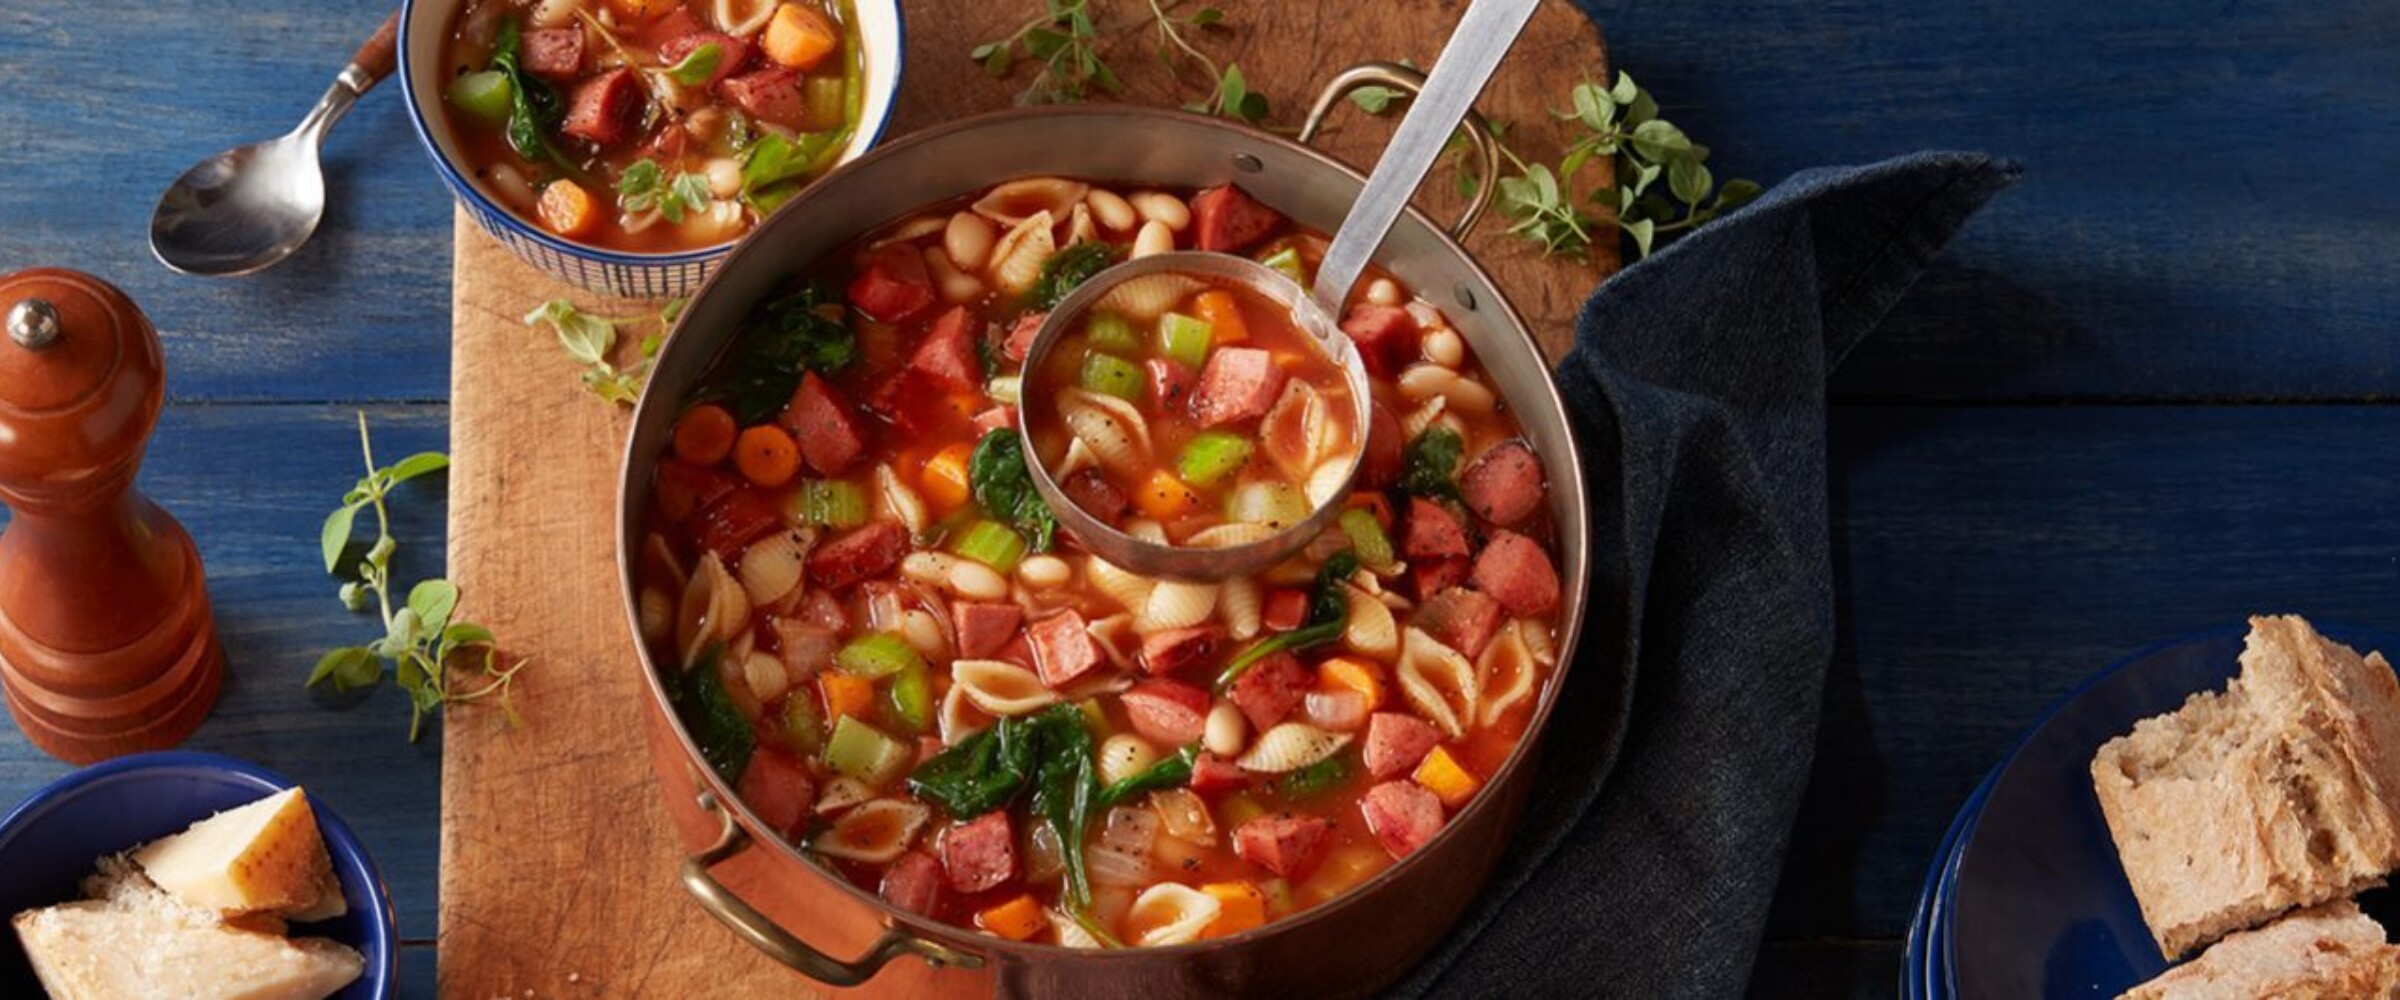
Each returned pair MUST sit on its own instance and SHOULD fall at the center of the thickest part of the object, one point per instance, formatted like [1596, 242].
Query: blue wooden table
[2147, 393]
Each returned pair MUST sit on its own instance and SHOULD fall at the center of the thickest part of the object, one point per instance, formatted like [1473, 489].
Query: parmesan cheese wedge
[263, 857]
[141, 943]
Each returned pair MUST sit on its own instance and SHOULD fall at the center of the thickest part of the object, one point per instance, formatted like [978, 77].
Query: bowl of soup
[624, 145]
[920, 736]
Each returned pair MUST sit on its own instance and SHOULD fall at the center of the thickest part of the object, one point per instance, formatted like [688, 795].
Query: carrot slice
[1240, 906]
[798, 37]
[1224, 317]
[1016, 920]
[766, 455]
[1163, 497]
[945, 476]
[846, 694]
[1344, 674]
[704, 434]
[568, 209]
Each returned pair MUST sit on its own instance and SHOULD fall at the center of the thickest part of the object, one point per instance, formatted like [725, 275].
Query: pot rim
[1574, 567]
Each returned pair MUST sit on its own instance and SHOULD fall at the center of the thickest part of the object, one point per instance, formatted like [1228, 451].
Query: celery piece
[877, 654]
[992, 544]
[1287, 260]
[832, 503]
[800, 726]
[1211, 456]
[1367, 536]
[863, 753]
[911, 697]
[1185, 339]
[1113, 376]
[483, 95]
[1110, 332]
[827, 101]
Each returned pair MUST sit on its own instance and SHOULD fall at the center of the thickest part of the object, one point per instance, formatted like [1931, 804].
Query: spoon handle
[1466, 64]
[377, 57]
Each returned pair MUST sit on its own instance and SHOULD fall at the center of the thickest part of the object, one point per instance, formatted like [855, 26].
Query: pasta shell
[1330, 480]
[766, 676]
[1241, 603]
[895, 501]
[1171, 913]
[1018, 200]
[660, 566]
[916, 228]
[732, 674]
[1120, 445]
[1000, 688]
[877, 831]
[1507, 671]
[770, 567]
[1370, 629]
[1125, 412]
[1109, 866]
[959, 716]
[1017, 259]
[1079, 226]
[1290, 747]
[1117, 638]
[1148, 297]
[841, 793]
[1078, 459]
[1438, 682]
[1230, 534]
[1422, 417]
[713, 609]
[656, 611]
[1127, 587]
[1124, 755]
[1178, 604]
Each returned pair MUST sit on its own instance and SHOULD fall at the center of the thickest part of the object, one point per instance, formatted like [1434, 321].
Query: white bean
[1044, 571]
[929, 568]
[968, 238]
[512, 187]
[1444, 347]
[724, 177]
[977, 581]
[1223, 734]
[1383, 292]
[924, 632]
[1113, 210]
[555, 13]
[1155, 238]
[1422, 382]
[1159, 206]
[956, 287]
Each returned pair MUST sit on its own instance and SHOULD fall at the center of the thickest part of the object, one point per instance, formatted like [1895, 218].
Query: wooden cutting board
[558, 861]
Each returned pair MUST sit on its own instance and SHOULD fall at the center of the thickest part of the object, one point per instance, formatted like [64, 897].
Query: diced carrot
[1240, 906]
[1342, 673]
[1016, 920]
[846, 694]
[798, 37]
[1446, 778]
[945, 476]
[568, 209]
[1374, 503]
[1163, 497]
[704, 434]
[1224, 317]
[766, 455]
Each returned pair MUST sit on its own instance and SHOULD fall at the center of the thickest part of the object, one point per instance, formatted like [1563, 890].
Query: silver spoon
[1467, 62]
[246, 209]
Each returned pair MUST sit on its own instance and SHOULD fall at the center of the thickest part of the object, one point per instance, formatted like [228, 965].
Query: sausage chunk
[778, 789]
[1386, 337]
[1062, 647]
[1229, 221]
[554, 53]
[857, 554]
[984, 628]
[1402, 815]
[1432, 533]
[769, 95]
[1165, 712]
[1288, 845]
[893, 286]
[1237, 384]
[1270, 689]
[1174, 650]
[1517, 573]
[913, 883]
[1462, 619]
[824, 424]
[603, 107]
[980, 854]
[1504, 485]
[946, 358]
[1396, 742]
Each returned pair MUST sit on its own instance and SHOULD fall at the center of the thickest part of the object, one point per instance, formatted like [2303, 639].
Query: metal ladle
[246, 209]
[1473, 52]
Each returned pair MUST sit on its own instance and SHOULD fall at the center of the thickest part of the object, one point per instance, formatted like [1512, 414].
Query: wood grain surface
[598, 912]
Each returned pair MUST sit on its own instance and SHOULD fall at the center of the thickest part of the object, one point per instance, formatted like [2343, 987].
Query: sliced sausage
[825, 425]
[603, 108]
[1237, 384]
[1270, 689]
[770, 95]
[1383, 461]
[1397, 742]
[893, 286]
[1431, 532]
[862, 552]
[980, 854]
[1168, 713]
[1020, 337]
[1092, 491]
[805, 647]
[984, 628]
[1462, 619]
[946, 357]
[777, 789]
[1229, 221]
[1175, 649]
[731, 52]
[1517, 573]
[997, 418]
[1284, 610]
[913, 883]
[1286, 844]
[1212, 774]
[1062, 647]
[1504, 485]
[554, 53]
[1386, 337]
[1402, 815]
[733, 521]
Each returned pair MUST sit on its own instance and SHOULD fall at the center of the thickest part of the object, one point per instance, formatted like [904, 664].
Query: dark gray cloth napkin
[1676, 757]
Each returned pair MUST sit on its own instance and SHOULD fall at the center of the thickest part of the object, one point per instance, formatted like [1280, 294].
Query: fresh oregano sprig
[1230, 95]
[589, 339]
[420, 639]
[1064, 39]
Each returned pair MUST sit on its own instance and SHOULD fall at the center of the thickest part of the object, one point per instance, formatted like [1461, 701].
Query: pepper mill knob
[107, 645]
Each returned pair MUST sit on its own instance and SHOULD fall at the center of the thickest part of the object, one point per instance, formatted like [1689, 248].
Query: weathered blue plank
[103, 105]
[1989, 558]
[2207, 210]
[252, 484]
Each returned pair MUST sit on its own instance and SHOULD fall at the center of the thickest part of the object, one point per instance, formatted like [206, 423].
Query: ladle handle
[1412, 80]
[1466, 64]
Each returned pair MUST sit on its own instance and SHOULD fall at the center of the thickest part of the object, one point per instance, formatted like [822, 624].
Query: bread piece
[2325, 951]
[138, 941]
[2281, 791]
[266, 856]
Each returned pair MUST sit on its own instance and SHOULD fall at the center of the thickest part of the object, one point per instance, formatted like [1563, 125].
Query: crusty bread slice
[2281, 791]
[2324, 951]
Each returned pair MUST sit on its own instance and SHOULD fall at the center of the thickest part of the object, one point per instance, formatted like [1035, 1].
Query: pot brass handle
[764, 934]
[1398, 77]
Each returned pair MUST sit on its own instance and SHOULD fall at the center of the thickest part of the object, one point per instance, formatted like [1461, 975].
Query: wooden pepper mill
[107, 646]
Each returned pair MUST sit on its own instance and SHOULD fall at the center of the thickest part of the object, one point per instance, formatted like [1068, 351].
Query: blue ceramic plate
[1920, 975]
[2039, 906]
[49, 842]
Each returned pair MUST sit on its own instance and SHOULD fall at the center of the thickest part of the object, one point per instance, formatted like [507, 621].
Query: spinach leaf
[1003, 487]
[1063, 788]
[1429, 465]
[1173, 772]
[799, 332]
[534, 108]
[1314, 780]
[1065, 270]
[1328, 609]
[709, 714]
[980, 774]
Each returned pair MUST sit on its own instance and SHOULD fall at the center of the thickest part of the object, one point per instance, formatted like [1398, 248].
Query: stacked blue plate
[2025, 897]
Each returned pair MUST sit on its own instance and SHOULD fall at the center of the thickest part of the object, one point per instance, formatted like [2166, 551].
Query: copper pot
[823, 927]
